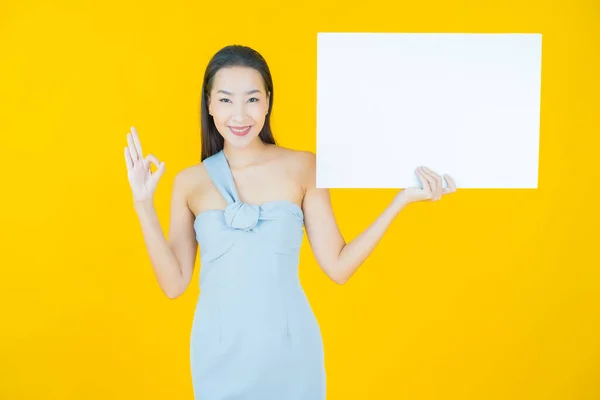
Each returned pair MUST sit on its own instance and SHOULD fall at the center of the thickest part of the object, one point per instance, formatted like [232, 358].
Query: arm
[338, 259]
[172, 261]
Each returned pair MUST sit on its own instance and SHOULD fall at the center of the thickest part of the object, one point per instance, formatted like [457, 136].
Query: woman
[254, 335]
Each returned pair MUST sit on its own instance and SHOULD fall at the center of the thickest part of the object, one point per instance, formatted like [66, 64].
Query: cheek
[257, 112]
[220, 115]
[219, 108]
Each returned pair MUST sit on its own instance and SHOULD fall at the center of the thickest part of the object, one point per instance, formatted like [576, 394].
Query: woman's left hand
[432, 187]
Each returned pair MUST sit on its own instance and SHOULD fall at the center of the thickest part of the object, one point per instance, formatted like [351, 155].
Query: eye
[254, 98]
[223, 100]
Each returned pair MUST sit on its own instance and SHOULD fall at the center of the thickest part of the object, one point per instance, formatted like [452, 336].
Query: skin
[262, 172]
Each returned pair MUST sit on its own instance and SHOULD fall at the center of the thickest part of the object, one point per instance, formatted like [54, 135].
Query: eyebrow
[247, 93]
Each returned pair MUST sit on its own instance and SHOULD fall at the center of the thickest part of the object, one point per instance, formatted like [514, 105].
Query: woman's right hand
[143, 183]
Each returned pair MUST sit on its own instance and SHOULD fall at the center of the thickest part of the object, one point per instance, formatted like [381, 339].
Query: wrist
[143, 205]
[401, 200]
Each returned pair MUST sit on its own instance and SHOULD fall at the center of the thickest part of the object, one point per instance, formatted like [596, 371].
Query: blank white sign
[463, 104]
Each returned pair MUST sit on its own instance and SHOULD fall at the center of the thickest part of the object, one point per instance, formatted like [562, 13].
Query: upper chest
[275, 180]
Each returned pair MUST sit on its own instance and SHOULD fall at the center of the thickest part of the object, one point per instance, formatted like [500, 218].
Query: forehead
[237, 80]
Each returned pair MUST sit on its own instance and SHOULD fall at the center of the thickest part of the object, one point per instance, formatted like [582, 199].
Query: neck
[241, 157]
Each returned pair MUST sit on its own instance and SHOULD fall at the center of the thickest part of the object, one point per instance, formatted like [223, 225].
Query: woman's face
[238, 104]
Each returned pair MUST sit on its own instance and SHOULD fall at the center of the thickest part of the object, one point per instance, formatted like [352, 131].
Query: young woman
[254, 335]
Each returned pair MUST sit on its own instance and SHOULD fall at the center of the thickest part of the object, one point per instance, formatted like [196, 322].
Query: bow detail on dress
[240, 215]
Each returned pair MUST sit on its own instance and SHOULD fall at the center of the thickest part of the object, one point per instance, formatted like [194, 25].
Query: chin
[241, 141]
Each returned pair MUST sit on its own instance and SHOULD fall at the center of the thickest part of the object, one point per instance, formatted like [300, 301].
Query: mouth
[240, 130]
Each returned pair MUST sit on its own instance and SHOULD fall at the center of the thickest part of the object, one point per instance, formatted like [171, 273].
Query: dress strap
[221, 176]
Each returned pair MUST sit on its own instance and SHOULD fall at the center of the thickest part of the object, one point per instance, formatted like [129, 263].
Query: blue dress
[254, 335]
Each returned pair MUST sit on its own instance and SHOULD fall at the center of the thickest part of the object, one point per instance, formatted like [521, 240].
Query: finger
[430, 180]
[131, 145]
[159, 172]
[437, 183]
[451, 185]
[424, 180]
[138, 145]
[151, 158]
[155, 177]
[128, 160]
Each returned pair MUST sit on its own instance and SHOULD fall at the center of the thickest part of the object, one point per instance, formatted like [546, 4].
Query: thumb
[159, 172]
[151, 158]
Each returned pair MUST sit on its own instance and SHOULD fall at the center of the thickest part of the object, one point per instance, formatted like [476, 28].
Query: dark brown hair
[232, 56]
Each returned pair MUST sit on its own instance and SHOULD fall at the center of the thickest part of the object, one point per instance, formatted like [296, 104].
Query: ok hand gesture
[142, 181]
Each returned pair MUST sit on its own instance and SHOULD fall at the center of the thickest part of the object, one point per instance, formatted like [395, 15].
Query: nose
[239, 112]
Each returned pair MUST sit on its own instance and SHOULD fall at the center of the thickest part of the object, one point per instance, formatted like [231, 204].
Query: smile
[240, 131]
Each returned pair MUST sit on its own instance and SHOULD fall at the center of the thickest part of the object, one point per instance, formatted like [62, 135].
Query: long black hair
[232, 56]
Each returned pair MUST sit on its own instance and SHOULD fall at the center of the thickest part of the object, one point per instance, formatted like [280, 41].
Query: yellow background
[488, 294]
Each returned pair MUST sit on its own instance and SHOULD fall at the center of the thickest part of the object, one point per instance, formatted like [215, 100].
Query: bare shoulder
[306, 163]
[191, 176]
[301, 163]
[191, 180]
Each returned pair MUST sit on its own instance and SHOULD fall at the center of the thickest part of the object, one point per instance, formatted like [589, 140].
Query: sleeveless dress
[254, 334]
